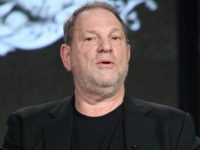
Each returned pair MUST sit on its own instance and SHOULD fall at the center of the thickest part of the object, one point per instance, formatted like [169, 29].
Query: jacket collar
[139, 126]
[58, 129]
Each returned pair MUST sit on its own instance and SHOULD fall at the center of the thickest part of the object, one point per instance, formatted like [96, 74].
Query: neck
[97, 105]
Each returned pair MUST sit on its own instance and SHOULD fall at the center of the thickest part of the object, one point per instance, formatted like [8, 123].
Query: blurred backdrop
[164, 67]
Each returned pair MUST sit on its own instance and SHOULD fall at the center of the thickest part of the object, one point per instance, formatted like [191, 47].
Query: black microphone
[134, 147]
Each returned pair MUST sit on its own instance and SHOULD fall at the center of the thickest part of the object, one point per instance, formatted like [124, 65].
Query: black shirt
[99, 133]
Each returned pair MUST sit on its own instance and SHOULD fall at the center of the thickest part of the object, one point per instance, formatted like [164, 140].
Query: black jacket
[149, 126]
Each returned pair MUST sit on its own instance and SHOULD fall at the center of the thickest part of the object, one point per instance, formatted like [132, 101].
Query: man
[99, 116]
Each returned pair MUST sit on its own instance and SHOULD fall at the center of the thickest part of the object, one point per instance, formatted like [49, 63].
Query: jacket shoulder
[41, 109]
[155, 108]
[175, 127]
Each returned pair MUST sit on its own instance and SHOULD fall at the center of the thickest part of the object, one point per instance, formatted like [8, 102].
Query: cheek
[88, 54]
[127, 52]
[122, 54]
[82, 59]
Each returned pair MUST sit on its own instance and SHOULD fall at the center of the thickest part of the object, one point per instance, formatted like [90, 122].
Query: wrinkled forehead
[97, 17]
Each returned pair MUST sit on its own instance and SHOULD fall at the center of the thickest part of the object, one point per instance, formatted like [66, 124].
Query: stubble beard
[95, 85]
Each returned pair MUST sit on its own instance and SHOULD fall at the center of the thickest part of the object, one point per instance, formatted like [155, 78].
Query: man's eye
[89, 38]
[116, 38]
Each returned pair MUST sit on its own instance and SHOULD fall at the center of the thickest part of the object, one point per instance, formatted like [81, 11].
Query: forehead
[97, 18]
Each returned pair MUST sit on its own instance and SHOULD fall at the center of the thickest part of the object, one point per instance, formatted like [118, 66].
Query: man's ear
[65, 53]
[129, 51]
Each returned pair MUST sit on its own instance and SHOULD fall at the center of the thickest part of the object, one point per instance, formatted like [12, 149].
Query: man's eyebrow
[96, 32]
[90, 31]
[115, 29]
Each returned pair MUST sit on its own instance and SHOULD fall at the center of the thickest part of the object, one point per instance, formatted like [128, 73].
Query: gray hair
[70, 23]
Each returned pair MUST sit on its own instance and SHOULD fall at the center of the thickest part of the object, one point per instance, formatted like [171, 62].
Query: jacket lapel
[139, 126]
[58, 129]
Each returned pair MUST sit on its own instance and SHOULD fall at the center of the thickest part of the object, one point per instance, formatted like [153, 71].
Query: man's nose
[105, 45]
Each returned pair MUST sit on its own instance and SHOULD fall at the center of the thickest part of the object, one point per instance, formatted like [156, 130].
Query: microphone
[134, 147]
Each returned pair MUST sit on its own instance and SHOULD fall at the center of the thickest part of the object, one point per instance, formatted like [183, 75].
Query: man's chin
[106, 83]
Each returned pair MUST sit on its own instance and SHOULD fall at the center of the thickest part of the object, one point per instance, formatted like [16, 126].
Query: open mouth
[105, 64]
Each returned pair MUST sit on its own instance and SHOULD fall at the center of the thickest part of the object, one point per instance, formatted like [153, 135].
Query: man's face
[99, 53]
